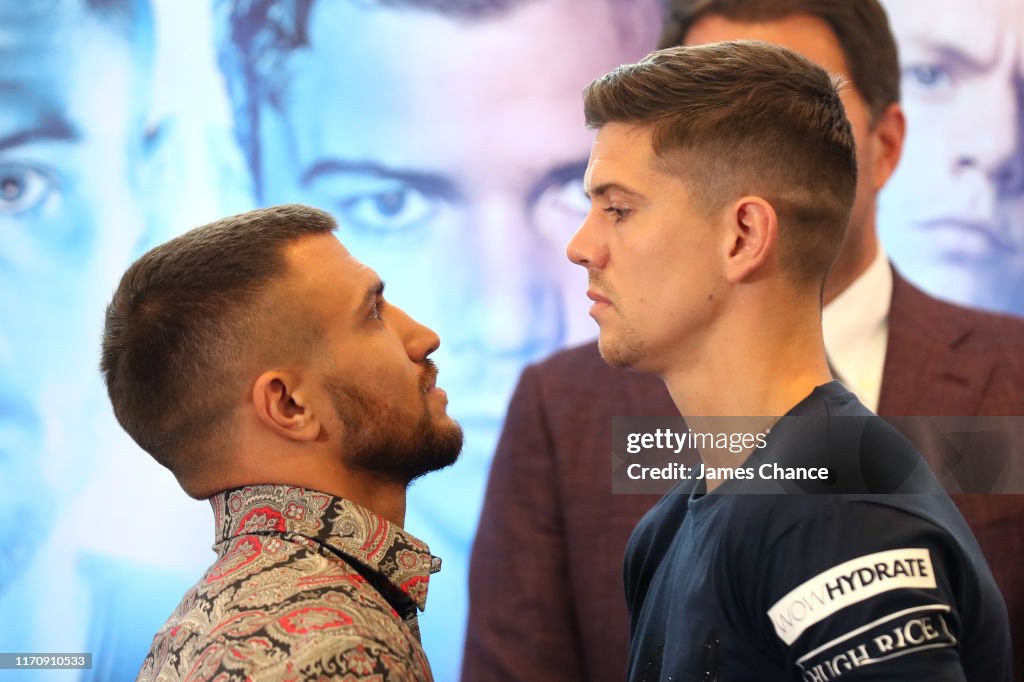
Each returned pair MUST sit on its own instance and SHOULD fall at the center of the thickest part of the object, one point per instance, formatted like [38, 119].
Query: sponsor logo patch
[848, 583]
[905, 632]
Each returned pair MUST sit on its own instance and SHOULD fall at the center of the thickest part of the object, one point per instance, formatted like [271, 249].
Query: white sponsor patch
[848, 583]
[899, 634]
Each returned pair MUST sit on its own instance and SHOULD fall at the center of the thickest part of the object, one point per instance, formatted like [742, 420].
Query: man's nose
[510, 302]
[584, 248]
[996, 150]
[419, 340]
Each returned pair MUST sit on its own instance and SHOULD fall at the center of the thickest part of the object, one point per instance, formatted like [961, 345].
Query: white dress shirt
[856, 326]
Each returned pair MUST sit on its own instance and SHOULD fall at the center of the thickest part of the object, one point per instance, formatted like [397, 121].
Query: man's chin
[617, 354]
[448, 445]
[439, 451]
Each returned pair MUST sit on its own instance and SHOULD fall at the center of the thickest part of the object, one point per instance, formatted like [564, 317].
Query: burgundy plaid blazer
[546, 591]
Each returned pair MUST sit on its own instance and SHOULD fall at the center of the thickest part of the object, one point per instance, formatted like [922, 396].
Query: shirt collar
[402, 561]
[855, 326]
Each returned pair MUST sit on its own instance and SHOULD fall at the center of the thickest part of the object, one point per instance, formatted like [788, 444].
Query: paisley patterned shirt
[306, 586]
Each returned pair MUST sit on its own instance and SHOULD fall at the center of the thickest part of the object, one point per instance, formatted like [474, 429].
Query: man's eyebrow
[606, 187]
[429, 183]
[955, 55]
[52, 128]
[372, 293]
[559, 175]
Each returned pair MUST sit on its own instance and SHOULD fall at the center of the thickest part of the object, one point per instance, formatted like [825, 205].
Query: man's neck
[386, 498]
[761, 363]
[326, 474]
[854, 260]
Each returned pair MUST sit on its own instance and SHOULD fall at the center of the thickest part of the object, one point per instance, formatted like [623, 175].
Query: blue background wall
[451, 150]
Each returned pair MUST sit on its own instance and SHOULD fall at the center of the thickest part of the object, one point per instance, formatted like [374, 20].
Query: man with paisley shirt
[258, 360]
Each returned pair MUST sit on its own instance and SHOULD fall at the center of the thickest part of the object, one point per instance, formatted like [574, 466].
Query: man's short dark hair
[189, 321]
[739, 118]
[861, 28]
[255, 37]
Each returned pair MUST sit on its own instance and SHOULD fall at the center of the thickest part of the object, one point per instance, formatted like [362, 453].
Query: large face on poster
[70, 145]
[72, 102]
[953, 215]
[449, 142]
[448, 139]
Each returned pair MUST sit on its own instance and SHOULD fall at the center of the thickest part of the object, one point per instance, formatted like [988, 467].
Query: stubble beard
[383, 443]
[626, 350]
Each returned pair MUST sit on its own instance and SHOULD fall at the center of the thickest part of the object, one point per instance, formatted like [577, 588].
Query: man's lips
[600, 303]
[976, 237]
[428, 380]
[434, 389]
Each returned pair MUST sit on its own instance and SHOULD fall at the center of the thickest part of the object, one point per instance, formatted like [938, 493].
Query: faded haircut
[189, 321]
[745, 118]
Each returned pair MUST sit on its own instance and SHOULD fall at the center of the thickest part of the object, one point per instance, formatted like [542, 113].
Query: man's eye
[560, 209]
[22, 188]
[616, 213]
[928, 78]
[392, 210]
[375, 312]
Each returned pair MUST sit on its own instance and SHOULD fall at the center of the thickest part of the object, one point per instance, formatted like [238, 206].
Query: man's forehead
[808, 35]
[314, 254]
[636, 175]
[367, 276]
[977, 29]
[52, 63]
[502, 50]
[323, 274]
[429, 104]
[323, 258]
[26, 107]
[617, 147]
[805, 34]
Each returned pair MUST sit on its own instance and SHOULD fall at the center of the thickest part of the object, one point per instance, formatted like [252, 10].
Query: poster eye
[929, 78]
[392, 210]
[23, 188]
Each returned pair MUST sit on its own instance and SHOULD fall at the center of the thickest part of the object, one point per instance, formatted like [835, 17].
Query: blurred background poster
[447, 138]
[952, 216]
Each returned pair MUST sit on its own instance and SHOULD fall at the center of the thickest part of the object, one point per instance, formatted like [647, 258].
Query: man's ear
[887, 136]
[283, 405]
[752, 229]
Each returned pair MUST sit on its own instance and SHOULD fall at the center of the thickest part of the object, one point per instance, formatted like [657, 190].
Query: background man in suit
[900, 351]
